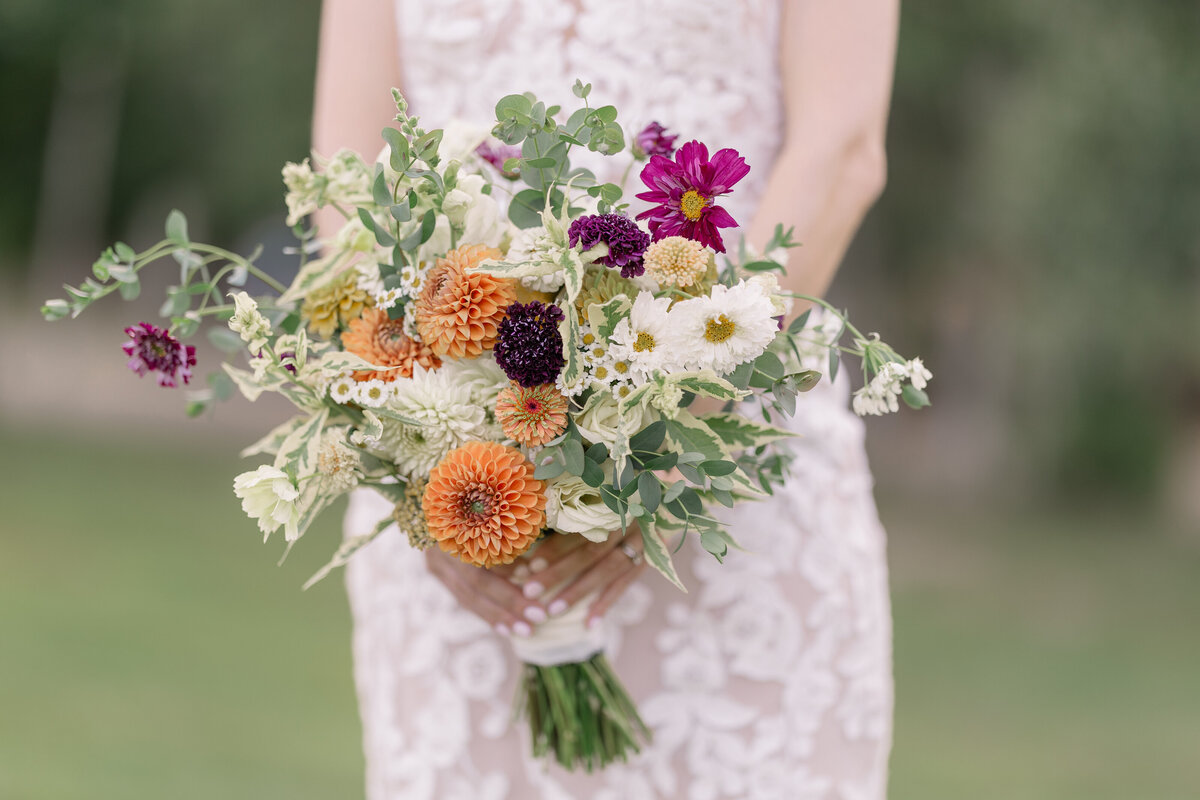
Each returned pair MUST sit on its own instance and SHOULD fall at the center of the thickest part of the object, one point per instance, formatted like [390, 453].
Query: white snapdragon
[882, 394]
[535, 246]
[269, 495]
[302, 190]
[248, 322]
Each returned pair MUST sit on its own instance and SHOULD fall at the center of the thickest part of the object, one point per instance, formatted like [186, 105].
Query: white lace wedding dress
[771, 679]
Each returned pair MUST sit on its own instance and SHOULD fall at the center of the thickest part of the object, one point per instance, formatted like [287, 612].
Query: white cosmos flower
[643, 338]
[733, 325]
[269, 496]
[446, 404]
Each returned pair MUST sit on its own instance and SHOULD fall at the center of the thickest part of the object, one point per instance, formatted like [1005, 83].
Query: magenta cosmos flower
[685, 190]
[152, 349]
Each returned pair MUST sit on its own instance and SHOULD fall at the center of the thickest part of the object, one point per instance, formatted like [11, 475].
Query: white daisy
[643, 338]
[343, 389]
[733, 325]
[373, 393]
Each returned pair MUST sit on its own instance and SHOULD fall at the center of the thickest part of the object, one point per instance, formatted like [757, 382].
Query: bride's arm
[357, 66]
[836, 61]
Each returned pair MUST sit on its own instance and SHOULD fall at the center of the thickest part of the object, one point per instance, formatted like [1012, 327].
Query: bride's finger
[611, 593]
[500, 618]
[612, 566]
[579, 559]
[549, 550]
[505, 594]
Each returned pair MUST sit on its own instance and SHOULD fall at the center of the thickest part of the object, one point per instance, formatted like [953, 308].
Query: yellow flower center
[621, 367]
[623, 391]
[718, 329]
[589, 339]
[692, 203]
[601, 372]
[645, 342]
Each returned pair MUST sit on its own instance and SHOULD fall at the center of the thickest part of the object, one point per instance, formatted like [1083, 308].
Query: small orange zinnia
[483, 505]
[458, 311]
[531, 415]
[383, 341]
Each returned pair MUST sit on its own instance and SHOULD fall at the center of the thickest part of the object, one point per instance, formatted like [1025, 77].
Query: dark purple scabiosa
[684, 193]
[654, 141]
[497, 154]
[626, 241]
[530, 348]
[152, 349]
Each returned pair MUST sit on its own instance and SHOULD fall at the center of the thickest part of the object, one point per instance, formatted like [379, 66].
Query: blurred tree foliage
[1045, 191]
[1038, 239]
[215, 94]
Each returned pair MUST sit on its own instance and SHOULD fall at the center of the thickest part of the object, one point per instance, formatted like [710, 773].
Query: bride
[772, 677]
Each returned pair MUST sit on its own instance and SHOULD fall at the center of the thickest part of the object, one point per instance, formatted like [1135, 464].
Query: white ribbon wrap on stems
[564, 639]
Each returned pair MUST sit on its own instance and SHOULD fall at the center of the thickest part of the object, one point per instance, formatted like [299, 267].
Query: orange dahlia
[383, 341]
[483, 505]
[531, 415]
[458, 311]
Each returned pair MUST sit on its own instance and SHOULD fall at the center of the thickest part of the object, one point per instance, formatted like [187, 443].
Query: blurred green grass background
[151, 648]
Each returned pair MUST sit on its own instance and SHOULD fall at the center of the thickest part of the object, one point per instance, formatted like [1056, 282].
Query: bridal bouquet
[495, 344]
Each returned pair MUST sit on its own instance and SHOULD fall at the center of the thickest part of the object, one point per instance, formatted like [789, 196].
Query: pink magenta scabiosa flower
[497, 154]
[654, 141]
[685, 190]
[152, 349]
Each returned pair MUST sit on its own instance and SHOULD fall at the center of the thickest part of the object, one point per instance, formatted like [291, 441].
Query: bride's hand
[579, 567]
[489, 594]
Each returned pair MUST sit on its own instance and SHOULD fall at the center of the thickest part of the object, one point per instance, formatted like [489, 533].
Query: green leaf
[691, 435]
[606, 113]
[913, 397]
[649, 438]
[569, 330]
[540, 163]
[379, 189]
[222, 385]
[422, 234]
[177, 301]
[799, 322]
[581, 89]
[604, 317]
[427, 146]
[224, 339]
[593, 474]
[400, 212]
[803, 381]
[768, 369]
[740, 377]
[673, 491]
[739, 432]
[573, 456]
[834, 361]
[707, 384]
[176, 228]
[56, 309]
[548, 470]
[597, 452]
[660, 462]
[656, 552]
[270, 443]
[649, 490]
[398, 145]
[298, 452]
[763, 265]
[526, 208]
[513, 105]
[130, 291]
[717, 468]
[124, 252]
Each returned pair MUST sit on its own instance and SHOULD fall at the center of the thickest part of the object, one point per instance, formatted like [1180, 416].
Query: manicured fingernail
[533, 589]
[502, 629]
[522, 629]
[594, 622]
[538, 564]
[521, 572]
[557, 607]
[535, 614]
